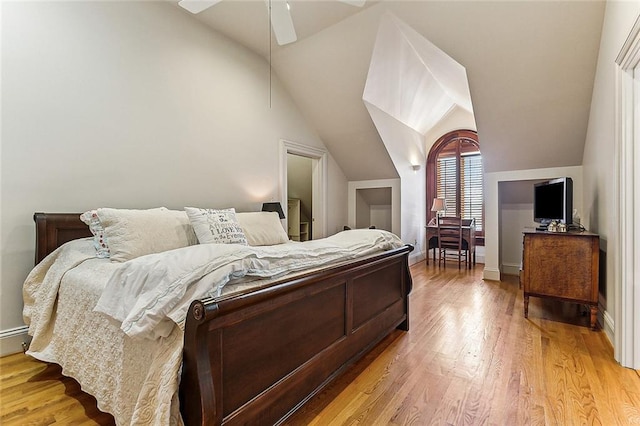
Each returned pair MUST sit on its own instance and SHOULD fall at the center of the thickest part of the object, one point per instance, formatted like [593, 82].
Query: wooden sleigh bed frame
[258, 356]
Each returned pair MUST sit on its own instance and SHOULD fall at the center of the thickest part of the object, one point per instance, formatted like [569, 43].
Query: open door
[318, 165]
[300, 197]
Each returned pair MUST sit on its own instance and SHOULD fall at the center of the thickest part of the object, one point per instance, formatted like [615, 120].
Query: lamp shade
[273, 207]
[438, 205]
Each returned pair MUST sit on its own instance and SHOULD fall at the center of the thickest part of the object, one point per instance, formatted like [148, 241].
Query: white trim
[480, 254]
[319, 182]
[511, 269]
[608, 326]
[491, 274]
[626, 196]
[13, 332]
[11, 340]
[630, 47]
[416, 257]
[2, 333]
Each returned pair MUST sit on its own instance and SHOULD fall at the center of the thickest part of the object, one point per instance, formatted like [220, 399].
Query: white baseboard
[480, 254]
[491, 274]
[415, 257]
[605, 319]
[608, 326]
[11, 340]
[510, 269]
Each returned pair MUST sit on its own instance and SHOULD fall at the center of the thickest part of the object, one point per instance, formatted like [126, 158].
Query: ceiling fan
[281, 21]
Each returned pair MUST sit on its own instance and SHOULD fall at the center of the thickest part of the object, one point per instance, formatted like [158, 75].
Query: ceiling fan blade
[357, 3]
[281, 22]
[197, 6]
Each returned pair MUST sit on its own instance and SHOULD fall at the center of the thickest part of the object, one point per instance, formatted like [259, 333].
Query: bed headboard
[55, 229]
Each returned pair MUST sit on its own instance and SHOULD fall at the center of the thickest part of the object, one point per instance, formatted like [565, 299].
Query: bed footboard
[256, 358]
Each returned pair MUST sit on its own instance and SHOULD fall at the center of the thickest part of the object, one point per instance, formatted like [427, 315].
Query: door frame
[319, 182]
[627, 198]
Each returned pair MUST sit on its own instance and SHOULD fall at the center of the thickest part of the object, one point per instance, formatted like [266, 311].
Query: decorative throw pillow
[216, 226]
[134, 233]
[99, 240]
[262, 228]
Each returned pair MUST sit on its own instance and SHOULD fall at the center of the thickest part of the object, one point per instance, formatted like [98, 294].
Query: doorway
[299, 197]
[305, 158]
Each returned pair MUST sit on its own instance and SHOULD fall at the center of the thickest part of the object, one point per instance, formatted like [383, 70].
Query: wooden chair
[450, 238]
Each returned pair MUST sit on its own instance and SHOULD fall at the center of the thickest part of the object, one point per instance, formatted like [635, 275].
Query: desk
[468, 240]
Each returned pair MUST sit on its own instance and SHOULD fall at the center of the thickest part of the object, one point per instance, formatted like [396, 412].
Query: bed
[253, 356]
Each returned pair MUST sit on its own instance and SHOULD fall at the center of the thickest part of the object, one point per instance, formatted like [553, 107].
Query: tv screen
[553, 200]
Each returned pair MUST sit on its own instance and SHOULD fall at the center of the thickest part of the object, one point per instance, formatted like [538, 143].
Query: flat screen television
[553, 200]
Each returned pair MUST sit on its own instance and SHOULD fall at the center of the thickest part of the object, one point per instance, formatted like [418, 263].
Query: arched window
[454, 173]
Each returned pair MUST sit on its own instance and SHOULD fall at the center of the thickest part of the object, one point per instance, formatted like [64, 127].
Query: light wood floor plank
[470, 358]
[490, 365]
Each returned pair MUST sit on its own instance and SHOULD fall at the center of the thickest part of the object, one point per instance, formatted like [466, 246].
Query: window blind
[447, 183]
[469, 189]
[472, 186]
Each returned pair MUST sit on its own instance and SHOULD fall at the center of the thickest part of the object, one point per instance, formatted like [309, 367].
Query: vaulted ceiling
[530, 68]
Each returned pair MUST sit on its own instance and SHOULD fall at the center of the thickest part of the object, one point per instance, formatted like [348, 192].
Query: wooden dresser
[562, 266]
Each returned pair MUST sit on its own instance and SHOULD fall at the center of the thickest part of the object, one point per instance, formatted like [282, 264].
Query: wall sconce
[415, 168]
[273, 207]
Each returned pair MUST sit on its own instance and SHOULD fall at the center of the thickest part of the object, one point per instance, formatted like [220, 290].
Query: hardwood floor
[35, 393]
[470, 358]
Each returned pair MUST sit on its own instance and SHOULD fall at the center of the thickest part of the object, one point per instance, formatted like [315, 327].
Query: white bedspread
[137, 379]
[150, 294]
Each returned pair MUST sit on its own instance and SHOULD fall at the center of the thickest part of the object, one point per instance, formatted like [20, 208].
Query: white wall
[600, 169]
[406, 151]
[513, 219]
[380, 216]
[457, 119]
[363, 211]
[373, 208]
[132, 104]
[516, 213]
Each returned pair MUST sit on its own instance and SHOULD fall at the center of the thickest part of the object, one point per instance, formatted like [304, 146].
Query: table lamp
[438, 206]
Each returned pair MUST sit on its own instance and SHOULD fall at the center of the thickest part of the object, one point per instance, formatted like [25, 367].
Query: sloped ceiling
[530, 65]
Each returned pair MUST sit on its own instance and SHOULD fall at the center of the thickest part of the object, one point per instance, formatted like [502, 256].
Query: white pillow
[134, 233]
[262, 228]
[99, 241]
[216, 226]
